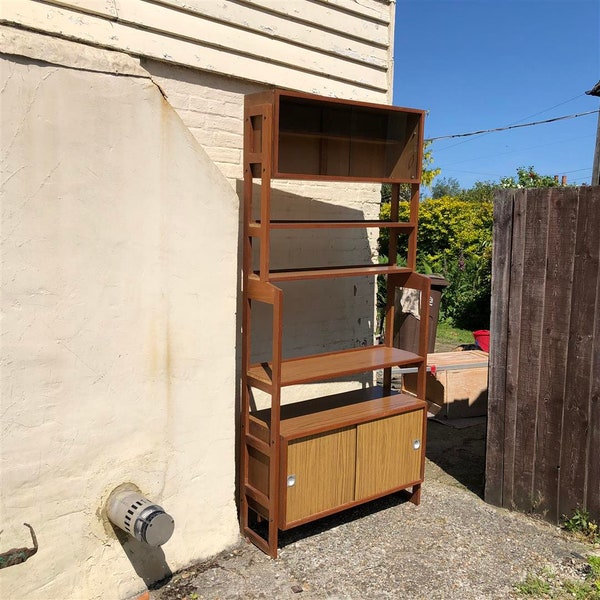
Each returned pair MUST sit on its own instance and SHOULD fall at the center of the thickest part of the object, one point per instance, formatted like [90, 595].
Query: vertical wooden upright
[258, 123]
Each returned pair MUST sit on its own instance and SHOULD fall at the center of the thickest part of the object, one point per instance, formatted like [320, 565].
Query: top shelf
[315, 137]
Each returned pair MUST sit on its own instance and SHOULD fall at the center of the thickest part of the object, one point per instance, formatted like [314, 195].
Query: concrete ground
[452, 546]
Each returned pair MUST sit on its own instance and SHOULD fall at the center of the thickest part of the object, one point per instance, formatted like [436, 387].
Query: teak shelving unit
[303, 461]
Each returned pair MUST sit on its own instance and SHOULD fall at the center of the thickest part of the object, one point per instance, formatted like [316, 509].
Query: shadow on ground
[347, 516]
[459, 452]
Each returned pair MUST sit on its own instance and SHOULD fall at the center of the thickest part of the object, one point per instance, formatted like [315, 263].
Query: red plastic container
[482, 339]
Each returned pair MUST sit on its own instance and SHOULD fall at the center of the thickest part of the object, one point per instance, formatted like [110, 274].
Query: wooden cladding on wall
[543, 446]
[336, 47]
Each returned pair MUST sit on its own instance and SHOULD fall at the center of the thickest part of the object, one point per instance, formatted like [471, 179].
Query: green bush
[454, 239]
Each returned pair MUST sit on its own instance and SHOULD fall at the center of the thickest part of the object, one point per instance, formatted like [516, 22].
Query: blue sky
[481, 64]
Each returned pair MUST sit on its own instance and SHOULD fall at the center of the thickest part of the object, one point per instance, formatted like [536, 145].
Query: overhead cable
[471, 133]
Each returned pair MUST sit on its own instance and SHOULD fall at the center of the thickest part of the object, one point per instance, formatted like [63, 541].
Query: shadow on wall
[318, 315]
[149, 562]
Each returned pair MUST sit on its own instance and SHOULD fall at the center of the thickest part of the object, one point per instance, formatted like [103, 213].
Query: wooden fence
[543, 443]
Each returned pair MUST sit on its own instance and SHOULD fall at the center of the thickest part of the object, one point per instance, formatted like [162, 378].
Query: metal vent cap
[141, 518]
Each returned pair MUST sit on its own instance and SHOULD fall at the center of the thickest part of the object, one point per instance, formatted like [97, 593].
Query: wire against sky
[471, 133]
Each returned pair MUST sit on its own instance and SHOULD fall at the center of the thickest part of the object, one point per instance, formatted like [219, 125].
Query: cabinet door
[322, 468]
[388, 454]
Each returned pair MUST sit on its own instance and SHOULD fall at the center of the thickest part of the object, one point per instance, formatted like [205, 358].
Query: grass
[533, 586]
[547, 585]
[448, 337]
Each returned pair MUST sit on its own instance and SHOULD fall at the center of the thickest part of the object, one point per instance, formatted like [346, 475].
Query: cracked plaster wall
[118, 270]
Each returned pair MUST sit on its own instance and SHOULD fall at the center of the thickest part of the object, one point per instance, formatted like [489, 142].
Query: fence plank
[503, 217]
[562, 221]
[593, 454]
[530, 344]
[512, 345]
[579, 362]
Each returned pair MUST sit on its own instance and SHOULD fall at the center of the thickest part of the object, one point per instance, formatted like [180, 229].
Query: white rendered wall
[211, 54]
[119, 282]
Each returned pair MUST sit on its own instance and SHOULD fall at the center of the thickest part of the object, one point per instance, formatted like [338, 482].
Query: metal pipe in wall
[140, 518]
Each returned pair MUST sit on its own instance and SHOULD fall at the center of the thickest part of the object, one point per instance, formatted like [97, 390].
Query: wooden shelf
[303, 461]
[324, 139]
[337, 224]
[333, 364]
[329, 272]
[340, 410]
[338, 137]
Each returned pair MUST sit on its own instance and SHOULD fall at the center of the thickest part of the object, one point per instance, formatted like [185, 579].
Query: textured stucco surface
[119, 283]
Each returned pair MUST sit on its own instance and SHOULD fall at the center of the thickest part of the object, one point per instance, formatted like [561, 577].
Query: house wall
[334, 47]
[119, 280]
[120, 235]
[318, 316]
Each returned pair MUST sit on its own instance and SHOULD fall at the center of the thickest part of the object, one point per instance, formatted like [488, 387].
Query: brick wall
[318, 316]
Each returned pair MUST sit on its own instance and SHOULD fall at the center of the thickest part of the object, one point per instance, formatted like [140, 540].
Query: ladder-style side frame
[258, 122]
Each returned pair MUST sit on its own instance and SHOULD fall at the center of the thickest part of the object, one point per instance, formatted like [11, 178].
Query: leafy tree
[529, 178]
[482, 191]
[455, 239]
[445, 187]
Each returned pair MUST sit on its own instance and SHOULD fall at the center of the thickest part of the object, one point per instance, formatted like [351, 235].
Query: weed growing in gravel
[581, 524]
[548, 585]
[533, 587]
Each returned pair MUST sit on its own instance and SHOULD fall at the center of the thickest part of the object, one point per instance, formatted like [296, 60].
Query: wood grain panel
[328, 272]
[544, 421]
[210, 32]
[334, 412]
[513, 343]
[258, 471]
[284, 27]
[334, 364]
[324, 469]
[576, 424]
[562, 220]
[593, 473]
[314, 11]
[385, 458]
[406, 226]
[530, 343]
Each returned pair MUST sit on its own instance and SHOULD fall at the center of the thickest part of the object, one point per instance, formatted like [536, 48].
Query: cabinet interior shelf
[315, 416]
[338, 137]
[318, 367]
[276, 275]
